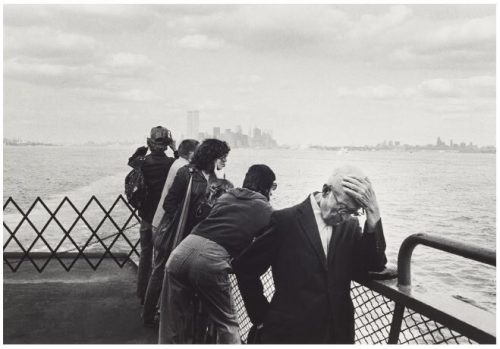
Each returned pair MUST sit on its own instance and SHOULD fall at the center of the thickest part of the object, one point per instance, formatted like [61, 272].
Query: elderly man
[315, 249]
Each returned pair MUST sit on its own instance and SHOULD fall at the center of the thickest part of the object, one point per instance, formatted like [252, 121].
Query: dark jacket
[312, 301]
[155, 167]
[236, 218]
[175, 197]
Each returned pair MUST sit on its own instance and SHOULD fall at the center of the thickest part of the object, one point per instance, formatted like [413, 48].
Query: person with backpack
[201, 263]
[143, 187]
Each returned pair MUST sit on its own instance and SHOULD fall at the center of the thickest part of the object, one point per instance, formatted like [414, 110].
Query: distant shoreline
[32, 145]
[339, 150]
[410, 149]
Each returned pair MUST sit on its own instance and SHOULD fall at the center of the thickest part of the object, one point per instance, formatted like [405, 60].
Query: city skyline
[236, 138]
[314, 74]
[381, 145]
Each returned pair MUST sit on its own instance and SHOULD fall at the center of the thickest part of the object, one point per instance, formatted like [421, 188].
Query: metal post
[397, 319]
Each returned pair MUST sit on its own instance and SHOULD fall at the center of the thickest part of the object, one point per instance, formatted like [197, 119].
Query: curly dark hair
[207, 152]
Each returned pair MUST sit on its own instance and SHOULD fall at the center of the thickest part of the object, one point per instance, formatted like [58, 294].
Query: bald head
[335, 179]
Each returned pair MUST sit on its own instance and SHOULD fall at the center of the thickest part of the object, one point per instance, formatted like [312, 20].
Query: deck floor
[81, 306]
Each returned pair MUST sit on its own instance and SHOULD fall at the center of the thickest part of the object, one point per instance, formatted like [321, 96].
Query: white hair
[335, 179]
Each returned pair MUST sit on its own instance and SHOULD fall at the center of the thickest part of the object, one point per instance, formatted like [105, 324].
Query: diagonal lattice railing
[89, 237]
[107, 238]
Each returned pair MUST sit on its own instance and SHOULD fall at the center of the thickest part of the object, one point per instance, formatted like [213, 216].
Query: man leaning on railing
[314, 249]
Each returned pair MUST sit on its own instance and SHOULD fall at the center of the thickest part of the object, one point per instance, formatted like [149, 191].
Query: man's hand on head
[361, 190]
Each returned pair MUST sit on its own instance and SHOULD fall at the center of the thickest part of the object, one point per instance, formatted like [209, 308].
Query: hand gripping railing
[476, 253]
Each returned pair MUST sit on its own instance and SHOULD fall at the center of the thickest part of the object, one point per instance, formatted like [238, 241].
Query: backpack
[136, 189]
[215, 189]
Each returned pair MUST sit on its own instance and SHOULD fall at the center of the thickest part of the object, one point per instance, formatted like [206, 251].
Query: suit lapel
[334, 241]
[307, 222]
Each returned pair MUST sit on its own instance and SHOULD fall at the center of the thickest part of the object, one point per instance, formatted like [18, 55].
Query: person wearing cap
[314, 249]
[155, 167]
[201, 263]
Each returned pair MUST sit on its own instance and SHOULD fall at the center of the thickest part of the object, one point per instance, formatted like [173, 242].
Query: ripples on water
[449, 194]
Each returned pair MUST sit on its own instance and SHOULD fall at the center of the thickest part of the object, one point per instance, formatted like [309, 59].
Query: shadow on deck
[82, 306]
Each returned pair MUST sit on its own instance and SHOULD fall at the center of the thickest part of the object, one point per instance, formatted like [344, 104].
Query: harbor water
[448, 194]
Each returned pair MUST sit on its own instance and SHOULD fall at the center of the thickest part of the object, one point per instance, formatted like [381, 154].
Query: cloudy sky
[314, 74]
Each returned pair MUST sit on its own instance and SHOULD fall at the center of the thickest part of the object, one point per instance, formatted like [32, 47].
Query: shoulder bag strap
[184, 213]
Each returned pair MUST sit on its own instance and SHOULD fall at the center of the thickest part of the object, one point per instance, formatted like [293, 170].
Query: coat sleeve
[137, 158]
[249, 266]
[176, 193]
[370, 249]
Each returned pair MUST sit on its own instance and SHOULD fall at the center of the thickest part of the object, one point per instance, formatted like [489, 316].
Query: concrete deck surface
[81, 306]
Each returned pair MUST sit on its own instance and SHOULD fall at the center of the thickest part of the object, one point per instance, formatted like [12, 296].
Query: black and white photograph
[238, 173]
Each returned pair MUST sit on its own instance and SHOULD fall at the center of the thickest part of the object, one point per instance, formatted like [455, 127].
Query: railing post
[404, 260]
[397, 319]
[476, 253]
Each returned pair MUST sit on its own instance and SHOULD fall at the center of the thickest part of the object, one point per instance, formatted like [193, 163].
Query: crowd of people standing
[197, 229]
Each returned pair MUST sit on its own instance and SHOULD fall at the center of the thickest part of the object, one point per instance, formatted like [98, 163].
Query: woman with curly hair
[210, 156]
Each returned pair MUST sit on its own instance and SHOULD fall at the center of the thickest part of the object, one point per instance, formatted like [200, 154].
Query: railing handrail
[65, 254]
[479, 254]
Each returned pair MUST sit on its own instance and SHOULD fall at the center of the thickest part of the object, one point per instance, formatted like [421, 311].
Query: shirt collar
[317, 212]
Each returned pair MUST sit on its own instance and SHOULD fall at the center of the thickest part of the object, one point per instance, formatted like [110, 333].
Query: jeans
[201, 266]
[146, 258]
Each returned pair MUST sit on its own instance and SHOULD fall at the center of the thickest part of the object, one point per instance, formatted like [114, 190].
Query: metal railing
[385, 311]
[89, 238]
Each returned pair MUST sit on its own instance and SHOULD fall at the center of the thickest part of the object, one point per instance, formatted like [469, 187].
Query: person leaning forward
[314, 249]
[201, 263]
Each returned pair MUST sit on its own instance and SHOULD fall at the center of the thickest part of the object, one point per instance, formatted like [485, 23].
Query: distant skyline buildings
[235, 138]
[193, 124]
[392, 145]
[440, 145]
[258, 138]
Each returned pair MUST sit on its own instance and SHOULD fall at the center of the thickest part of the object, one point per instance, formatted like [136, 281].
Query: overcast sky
[314, 74]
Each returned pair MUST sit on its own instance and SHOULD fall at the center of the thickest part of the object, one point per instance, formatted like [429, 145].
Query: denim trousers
[146, 258]
[200, 266]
